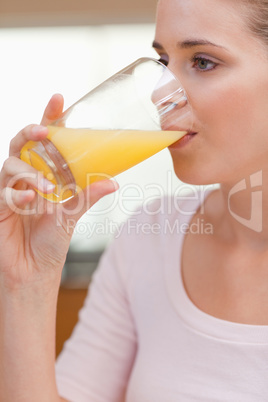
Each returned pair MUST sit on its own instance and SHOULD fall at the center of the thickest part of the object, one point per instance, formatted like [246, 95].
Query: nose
[171, 102]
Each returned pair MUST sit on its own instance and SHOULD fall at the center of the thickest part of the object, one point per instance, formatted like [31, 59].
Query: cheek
[232, 109]
[232, 120]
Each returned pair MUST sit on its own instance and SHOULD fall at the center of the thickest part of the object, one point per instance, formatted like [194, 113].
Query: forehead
[218, 19]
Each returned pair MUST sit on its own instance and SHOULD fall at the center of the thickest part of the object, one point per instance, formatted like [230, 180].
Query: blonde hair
[256, 12]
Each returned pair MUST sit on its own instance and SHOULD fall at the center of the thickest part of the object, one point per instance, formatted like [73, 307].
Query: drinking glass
[129, 117]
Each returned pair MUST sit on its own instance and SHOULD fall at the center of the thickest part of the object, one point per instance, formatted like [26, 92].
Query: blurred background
[69, 47]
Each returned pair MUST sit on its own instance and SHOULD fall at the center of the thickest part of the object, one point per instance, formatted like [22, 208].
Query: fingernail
[114, 184]
[111, 185]
[46, 185]
[39, 129]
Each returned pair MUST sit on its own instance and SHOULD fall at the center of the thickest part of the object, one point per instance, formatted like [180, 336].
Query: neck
[244, 208]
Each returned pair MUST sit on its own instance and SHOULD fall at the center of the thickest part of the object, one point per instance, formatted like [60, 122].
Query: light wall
[18, 13]
[37, 62]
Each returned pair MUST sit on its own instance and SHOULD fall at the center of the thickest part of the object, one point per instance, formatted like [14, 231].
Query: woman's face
[224, 70]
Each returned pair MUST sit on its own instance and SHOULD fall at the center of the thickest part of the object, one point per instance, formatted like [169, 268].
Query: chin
[195, 175]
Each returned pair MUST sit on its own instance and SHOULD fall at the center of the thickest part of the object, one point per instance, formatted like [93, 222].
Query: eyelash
[163, 61]
[194, 60]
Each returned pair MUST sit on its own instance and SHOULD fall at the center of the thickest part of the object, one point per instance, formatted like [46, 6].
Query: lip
[187, 138]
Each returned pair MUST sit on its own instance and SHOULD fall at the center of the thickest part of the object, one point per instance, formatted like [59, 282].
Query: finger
[15, 171]
[77, 206]
[33, 132]
[36, 132]
[14, 200]
[53, 110]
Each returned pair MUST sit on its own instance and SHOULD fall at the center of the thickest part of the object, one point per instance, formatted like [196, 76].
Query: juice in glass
[93, 155]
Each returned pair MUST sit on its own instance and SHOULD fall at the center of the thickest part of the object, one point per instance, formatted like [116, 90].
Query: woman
[177, 315]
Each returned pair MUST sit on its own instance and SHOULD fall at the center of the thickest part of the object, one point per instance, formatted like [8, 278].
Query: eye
[203, 64]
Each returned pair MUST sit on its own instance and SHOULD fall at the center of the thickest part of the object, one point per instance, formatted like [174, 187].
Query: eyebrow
[196, 42]
[157, 45]
[189, 43]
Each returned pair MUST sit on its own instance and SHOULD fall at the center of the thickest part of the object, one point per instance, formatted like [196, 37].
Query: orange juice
[92, 155]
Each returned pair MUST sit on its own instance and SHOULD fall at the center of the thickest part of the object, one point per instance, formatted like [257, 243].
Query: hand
[34, 245]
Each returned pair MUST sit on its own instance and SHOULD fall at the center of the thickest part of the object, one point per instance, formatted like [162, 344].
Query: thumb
[77, 206]
[97, 190]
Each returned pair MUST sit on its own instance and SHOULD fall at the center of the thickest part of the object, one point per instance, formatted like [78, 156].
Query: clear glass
[131, 116]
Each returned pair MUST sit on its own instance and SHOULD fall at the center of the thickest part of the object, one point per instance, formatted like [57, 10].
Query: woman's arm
[33, 248]
[27, 344]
